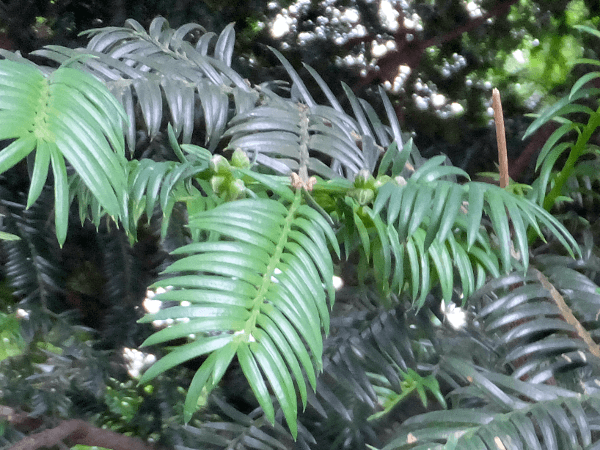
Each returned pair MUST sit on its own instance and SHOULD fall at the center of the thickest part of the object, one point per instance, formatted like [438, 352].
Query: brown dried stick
[500, 137]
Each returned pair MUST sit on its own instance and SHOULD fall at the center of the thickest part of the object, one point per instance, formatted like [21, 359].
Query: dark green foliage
[33, 263]
[535, 388]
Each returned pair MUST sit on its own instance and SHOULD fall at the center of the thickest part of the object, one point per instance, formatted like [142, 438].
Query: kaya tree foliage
[261, 194]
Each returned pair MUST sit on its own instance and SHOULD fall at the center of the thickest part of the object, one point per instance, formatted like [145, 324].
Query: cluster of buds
[223, 182]
[366, 186]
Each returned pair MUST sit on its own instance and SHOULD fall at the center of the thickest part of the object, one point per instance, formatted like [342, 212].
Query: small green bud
[364, 196]
[364, 180]
[219, 165]
[361, 178]
[236, 189]
[218, 183]
[240, 159]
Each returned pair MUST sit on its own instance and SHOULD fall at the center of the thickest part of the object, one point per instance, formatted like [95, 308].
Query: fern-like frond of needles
[162, 68]
[532, 320]
[428, 230]
[65, 115]
[538, 386]
[257, 289]
[428, 220]
[510, 412]
[280, 132]
[555, 422]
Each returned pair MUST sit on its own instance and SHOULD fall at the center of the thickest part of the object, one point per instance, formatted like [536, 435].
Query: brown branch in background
[77, 431]
[500, 9]
[410, 52]
[520, 168]
[567, 314]
[21, 421]
[500, 137]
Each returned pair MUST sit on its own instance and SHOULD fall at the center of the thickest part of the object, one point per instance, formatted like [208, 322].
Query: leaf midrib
[274, 261]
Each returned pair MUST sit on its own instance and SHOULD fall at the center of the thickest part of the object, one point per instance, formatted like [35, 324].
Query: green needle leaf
[61, 194]
[16, 152]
